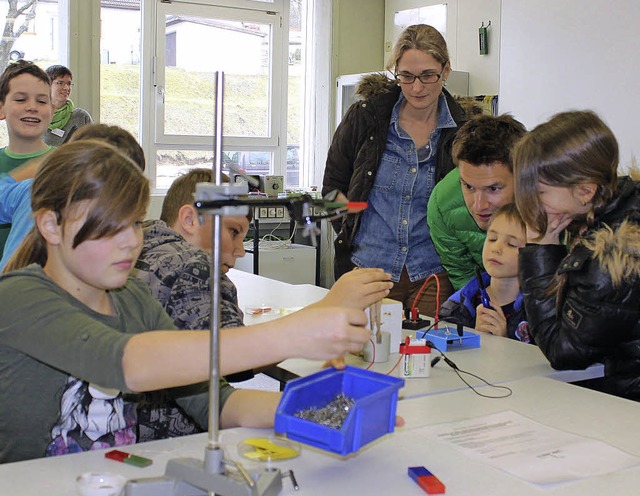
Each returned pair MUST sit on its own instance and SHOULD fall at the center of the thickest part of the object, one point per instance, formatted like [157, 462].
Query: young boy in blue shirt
[25, 106]
[504, 315]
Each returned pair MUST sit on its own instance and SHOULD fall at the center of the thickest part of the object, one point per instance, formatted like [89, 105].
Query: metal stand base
[193, 477]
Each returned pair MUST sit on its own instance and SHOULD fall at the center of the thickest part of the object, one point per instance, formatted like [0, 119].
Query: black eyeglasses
[408, 78]
[64, 83]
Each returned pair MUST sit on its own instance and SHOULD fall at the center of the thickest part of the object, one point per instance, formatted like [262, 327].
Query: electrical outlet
[264, 213]
[272, 213]
[280, 212]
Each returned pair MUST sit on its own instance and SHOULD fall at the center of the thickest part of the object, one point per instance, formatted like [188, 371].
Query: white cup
[100, 484]
[377, 352]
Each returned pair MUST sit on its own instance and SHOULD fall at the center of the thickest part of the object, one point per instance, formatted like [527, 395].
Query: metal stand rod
[189, 476]
[216, 303]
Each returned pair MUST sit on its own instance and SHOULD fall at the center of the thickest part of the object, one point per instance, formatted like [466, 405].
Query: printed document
[529, 450]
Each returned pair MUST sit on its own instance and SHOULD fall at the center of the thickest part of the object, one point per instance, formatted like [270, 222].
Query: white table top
[497, 360]
[381, 467]
[257, 291]
[564, 406]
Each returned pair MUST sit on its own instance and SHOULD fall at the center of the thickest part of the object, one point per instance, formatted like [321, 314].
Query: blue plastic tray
[447, 338]
[372, 415]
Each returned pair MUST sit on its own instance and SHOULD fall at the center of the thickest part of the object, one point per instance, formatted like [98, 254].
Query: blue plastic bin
[372, 415]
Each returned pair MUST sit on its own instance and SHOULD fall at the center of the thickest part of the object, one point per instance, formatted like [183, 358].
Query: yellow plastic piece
[265, 449]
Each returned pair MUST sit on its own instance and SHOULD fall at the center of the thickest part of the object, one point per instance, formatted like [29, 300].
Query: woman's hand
[491, 320]
[359, 289]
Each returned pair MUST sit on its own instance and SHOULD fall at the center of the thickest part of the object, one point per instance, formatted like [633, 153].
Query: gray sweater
[79, 117]
[49, 341]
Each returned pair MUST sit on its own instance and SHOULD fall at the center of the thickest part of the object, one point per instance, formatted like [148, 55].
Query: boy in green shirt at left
[25, 105]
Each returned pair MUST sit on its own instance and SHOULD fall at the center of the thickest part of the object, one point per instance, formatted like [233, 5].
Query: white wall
[483, 69]
[573, 54]
[358, 30]
[466, 16]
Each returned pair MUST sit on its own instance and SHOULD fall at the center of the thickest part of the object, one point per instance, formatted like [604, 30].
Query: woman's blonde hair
[84, 170]
[421, 37]
[570, 149]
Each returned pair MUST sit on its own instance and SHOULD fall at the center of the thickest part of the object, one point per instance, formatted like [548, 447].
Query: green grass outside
[189, 104]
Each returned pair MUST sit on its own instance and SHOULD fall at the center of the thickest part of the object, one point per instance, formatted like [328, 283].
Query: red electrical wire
[373, 358]
[396, 365]
[414, 306]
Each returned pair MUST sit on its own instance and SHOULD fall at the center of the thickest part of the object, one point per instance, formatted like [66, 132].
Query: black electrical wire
[459, 372]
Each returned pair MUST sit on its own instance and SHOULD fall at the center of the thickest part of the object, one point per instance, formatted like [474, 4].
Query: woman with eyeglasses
[66, 116]
[390, 149]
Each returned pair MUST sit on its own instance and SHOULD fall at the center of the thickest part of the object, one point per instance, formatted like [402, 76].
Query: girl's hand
[320, 332]
[490, 320]
[556, 224]
[28, 169]
[338, 363]
[359, 289]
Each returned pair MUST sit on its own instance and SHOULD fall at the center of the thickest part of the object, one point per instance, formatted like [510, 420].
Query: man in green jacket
[462, 203]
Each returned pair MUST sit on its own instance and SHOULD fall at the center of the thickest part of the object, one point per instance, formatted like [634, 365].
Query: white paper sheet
[529, 450]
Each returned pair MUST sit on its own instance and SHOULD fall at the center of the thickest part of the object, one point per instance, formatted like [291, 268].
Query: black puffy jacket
[599, 315]
[356, 151]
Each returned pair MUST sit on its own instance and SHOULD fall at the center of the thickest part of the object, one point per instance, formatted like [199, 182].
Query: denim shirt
[393, 231]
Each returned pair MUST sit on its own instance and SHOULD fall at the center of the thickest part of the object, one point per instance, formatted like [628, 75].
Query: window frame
[151, 110]
[83, 56]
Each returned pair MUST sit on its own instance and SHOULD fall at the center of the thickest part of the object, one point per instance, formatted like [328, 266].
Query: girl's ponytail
[33, 249]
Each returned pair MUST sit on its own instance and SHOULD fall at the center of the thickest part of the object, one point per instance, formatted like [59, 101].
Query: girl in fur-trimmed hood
[582, 302]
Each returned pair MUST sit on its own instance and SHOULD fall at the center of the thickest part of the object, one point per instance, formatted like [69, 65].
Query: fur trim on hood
[375, 84]
[617, 252]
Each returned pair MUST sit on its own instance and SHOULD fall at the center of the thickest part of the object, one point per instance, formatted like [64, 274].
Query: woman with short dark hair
[66, 116]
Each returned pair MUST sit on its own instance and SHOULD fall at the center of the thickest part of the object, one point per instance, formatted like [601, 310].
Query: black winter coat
[356, 151]
[599, 315]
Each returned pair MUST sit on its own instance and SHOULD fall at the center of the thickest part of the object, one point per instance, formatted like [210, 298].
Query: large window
[33, 30]
[120, 30]
[192, 42]
[154, 66]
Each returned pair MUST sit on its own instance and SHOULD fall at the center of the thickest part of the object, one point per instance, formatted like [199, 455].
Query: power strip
[271, 213]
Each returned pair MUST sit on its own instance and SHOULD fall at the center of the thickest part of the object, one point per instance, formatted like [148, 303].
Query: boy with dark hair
[25, 106]
[176, 265]
[175, 259]
[462, 203]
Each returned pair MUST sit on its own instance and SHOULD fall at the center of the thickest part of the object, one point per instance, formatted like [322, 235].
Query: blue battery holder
[447, 338]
